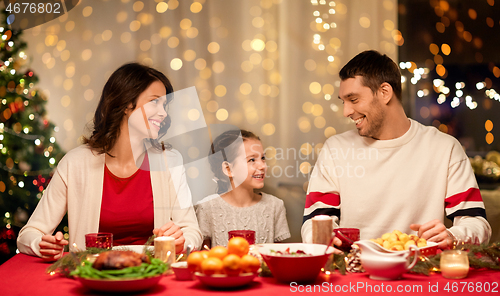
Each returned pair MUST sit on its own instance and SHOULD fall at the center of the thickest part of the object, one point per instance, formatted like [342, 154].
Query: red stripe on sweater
[472, 194]
[331, 199]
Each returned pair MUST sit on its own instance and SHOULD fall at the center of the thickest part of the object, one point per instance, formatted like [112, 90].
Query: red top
[127, 207]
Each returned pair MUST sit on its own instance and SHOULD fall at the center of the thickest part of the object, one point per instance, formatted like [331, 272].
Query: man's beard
[374, 125]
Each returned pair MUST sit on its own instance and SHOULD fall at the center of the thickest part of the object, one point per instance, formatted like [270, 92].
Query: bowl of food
[120, 271]
[181, 271]
[295, 262]
[222, 267]
[224, 280]
[397, 241]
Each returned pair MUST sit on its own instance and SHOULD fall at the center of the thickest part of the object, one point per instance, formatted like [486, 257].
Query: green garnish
[145, 270]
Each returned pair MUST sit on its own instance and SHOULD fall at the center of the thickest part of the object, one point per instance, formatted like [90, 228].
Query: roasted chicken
[119, 259]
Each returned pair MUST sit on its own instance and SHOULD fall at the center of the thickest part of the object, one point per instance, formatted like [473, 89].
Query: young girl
[238, 172]
[100, 184]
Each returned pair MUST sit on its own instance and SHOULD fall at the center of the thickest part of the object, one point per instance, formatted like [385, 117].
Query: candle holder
[322, 228]
[454, 264]
[101, 240]
[165, 249]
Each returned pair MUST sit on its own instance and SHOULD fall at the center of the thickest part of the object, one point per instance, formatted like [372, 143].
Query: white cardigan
[76, 188]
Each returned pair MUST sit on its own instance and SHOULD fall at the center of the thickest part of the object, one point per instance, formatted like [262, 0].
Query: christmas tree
[28, 150]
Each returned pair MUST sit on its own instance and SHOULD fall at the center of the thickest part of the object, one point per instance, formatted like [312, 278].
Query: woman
[99, 183]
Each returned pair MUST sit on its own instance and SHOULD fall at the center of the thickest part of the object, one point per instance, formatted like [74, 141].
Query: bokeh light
[488, 125]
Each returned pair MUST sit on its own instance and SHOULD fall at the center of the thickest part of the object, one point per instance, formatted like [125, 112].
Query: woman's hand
[170, 229]
[52, 246]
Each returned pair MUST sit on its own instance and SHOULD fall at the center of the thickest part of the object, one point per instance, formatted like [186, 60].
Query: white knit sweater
[382, 185]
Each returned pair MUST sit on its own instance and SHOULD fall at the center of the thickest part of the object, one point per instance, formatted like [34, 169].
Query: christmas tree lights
[28, 150]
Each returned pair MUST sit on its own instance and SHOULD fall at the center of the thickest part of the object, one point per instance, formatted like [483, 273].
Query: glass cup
[322, 226]
[249, 235]
[454, 264]
[165, 249]
[101, 240]
[347, 236]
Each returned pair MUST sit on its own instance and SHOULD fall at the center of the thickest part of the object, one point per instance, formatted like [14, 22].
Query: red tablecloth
[25, 275]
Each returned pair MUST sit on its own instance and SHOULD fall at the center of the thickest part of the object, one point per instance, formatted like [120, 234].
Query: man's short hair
[375, 68]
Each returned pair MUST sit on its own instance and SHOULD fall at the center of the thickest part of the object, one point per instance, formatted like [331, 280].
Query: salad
[298, 253]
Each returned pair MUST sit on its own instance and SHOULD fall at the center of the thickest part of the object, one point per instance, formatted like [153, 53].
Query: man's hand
[52, 246]
[433, 231]
[170, 229]
[337, 242]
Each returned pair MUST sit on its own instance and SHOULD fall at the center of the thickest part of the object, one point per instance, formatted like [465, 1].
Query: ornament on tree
[21, 216]
[16, 106]
[24, 166]
[7, 234]
[4, 248]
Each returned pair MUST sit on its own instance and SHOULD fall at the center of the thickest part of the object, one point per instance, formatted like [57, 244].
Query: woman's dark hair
[375, 68]
[122, 89]
[222, 143]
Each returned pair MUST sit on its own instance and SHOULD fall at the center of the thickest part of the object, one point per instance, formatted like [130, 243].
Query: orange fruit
[238, 246]
[232, 264]
[249, 264]
[194, 261]
[211, 266]
[218, 252]
[204, 253]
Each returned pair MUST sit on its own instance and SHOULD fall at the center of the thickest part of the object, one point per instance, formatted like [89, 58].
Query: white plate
[136, 248]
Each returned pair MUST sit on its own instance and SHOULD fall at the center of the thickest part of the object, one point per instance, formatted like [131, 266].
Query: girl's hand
[170, 229]
[52, 246]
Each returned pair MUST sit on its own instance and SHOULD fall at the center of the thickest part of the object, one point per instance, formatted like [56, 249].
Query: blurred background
[271, 67]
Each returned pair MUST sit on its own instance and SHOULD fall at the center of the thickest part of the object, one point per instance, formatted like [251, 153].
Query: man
[393, 173]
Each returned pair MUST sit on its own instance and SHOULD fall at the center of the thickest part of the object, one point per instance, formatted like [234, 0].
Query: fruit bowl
[225, 281]
[295, 268]
[182, 273]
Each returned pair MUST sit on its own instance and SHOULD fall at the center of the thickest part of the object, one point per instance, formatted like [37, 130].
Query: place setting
[126, 268]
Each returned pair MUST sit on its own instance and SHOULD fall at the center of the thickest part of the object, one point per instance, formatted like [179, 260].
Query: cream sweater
[76, 188]
[380, 186]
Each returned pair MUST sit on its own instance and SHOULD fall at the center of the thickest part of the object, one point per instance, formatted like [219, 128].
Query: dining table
[27, 275]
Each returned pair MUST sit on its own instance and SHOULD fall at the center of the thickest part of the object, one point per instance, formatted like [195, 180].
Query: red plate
[224, 281]
[131, 285]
